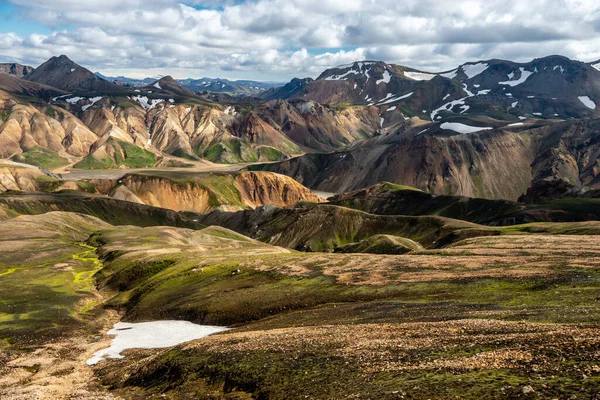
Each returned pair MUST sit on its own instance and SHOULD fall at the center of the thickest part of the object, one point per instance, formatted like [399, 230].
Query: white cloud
[268, 38]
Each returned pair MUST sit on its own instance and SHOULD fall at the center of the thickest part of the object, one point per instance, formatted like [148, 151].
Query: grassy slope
[299, 311]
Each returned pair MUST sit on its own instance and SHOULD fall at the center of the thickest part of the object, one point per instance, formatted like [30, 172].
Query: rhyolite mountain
[549, 87]
[96, 124]
[15, 69]
[62, 73]
[485, 129]
[498, 163]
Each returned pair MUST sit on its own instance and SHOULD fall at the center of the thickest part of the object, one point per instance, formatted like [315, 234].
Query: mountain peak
[61, 72]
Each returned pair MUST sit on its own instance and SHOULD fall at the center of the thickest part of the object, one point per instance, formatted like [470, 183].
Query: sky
[276, 40]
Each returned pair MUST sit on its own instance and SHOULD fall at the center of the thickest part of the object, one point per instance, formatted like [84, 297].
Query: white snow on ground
[446, 96]
[188, 109]
[513, 105]
[482, 92]
[388, 96]
[60, 97]
[531, 97]
[511, 75]
[450, 74]
[522, 118]
[476, 86]
[508, 94]
[171, 101]
[537, 113]
[157, 85]
[472, 70]
[93, 100]
[72, 69]
[146, 103]
[392, 108]
[355, 86]
[515, 124]
[137, 90]
[587, 102]
[596, 66]
[381, 121]
[396, 99]
[523, 78]
[462, 128]
[151, 335]
[558, 67]
[424, 130]
[419, 76]
[74, 100]
[466, 89]
[386, 78]
[340, 77]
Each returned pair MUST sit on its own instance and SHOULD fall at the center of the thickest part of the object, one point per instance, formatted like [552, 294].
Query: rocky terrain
[379, 232]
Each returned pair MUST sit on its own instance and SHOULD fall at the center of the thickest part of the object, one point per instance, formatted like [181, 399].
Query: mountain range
[488, 129]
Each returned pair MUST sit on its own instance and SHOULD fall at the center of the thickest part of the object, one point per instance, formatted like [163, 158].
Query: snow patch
[392, 108]
[157, 85]
[558, 67]
[151, 335]
[93, 100]
[596, 66]
[74, 100]
[472, 70]
[515, 124]
[483, 92]
[524, 75]
[396, 99]
[513, 105]
[450, 74]
[587, 102]
[146, 103]
[537, 113]
[386, 78]
[446, 96]
[462, 128]
[419, 76]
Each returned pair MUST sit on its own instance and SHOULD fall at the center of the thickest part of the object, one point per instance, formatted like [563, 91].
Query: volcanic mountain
[169, 86]
[66, 75]
[15, 69]
[549, 87]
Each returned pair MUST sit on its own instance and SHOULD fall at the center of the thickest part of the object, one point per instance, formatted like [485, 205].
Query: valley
[379, 232]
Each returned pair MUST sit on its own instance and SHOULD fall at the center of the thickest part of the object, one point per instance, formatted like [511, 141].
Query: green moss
[41, 157]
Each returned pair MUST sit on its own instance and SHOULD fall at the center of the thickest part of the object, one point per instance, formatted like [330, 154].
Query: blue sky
[281, 39]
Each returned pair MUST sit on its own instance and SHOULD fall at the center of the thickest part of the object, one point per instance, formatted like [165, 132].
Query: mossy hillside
[48, 292]
[220, 187]
[123, 154]
[41, 157]
[113, 211]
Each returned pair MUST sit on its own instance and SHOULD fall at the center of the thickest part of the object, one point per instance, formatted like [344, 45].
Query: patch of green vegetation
[266, 153]
[91, 162]
[125, 153]
[394, 186]
[4, 114]
[41, 157]
[50, 112]
[342, 106]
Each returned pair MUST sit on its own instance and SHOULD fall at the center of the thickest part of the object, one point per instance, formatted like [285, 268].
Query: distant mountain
[14, 84]
[168, 86]
[64, 74]
[15, 69]
[287, 91]
[217, 85]
[468, 157]
[553, 87]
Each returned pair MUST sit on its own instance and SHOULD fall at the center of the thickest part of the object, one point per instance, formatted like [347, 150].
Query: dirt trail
[57, 370]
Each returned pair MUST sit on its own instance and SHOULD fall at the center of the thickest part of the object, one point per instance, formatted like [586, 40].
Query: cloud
[280, 39]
